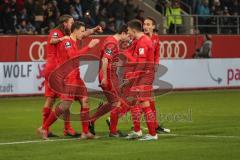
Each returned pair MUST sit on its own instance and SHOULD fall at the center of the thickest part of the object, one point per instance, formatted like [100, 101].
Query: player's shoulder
[67, 43]
[110, 39]
[110, 42]
[56, 33]
[155, 36]
[145, 40]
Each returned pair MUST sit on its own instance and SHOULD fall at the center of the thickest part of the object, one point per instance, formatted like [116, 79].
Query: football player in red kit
[66, 50]
[108, 78]
[149, 26]
[143, 56]
[60, 33]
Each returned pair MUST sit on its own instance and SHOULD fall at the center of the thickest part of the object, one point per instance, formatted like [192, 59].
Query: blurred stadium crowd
[39, 16]
[207, 11]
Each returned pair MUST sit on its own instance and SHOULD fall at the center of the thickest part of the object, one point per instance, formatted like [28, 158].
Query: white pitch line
[200, 136]
[36, 141]
[160, 135]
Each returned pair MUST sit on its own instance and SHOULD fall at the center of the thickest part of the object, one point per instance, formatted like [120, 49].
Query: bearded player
[149, 26]
[57, 35]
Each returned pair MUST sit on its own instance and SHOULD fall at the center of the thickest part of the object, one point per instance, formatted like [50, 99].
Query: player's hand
[104, 82]
[98, 29]
[93, 43]
[65, 37]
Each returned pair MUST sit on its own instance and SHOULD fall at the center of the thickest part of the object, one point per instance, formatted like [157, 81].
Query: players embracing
[142, 55]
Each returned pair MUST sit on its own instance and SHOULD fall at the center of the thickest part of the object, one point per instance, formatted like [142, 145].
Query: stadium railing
[194, 24]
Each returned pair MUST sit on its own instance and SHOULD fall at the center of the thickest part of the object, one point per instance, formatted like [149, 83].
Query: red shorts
[78, 91]
[111, 91]
[144, 87]
[48, 91]
[141, 88]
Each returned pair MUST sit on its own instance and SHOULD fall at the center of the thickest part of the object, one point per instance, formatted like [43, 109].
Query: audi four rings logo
[168, 49]
[40, 52]
[173, 49]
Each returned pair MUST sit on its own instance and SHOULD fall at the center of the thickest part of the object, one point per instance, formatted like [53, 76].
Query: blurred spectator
[29, 5]
[204, 11]
[38, 19]
[130, 10]
[217, 8]
[110, 8]
[174, 17]
[140, 15]
[225, 20]
[204, 14]
[103, 4]
[20, 4]
[235, 7]
[78, 7]
[25, 27]
[89, 5]
[23, 15]
[205, 51]
[118, 13]
[74, 13]
[9, 17]
[102, 16]
[64, 6]
[46, 29]
[103, 25]
[110, 29]
[160, 6]
[88, 20]
[50, 14]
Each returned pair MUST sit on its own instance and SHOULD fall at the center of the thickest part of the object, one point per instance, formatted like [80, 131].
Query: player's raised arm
[55, 40]
[85, 49]
[89, 32]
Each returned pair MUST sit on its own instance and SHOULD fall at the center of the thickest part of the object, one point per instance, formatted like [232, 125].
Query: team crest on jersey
[141, 51]
[68, 45]
[108, 51]
[55, 35]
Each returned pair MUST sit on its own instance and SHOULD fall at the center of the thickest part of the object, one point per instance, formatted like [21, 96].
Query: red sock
[114, 120]
[45, 113]
[150, 120]
[85, 119]
[52, 118]
[67, 123]
[123, 110]
[136, 117]
[152, 105]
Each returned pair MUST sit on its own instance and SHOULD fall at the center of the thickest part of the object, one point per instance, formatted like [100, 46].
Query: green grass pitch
[205, 125]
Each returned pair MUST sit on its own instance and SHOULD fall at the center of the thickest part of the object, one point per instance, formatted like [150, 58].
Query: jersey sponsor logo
[55, 35]
[141, 51]
[108, 51]
[68, 45]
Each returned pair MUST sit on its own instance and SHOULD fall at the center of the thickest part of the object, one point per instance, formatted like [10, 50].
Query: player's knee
[84, 101]
[65, 105]
[50, 102]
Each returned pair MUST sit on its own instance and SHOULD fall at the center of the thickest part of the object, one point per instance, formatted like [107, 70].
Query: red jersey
[142, 52]
[52, 48]
[156, 46]
[109, 50]
[67, 49]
